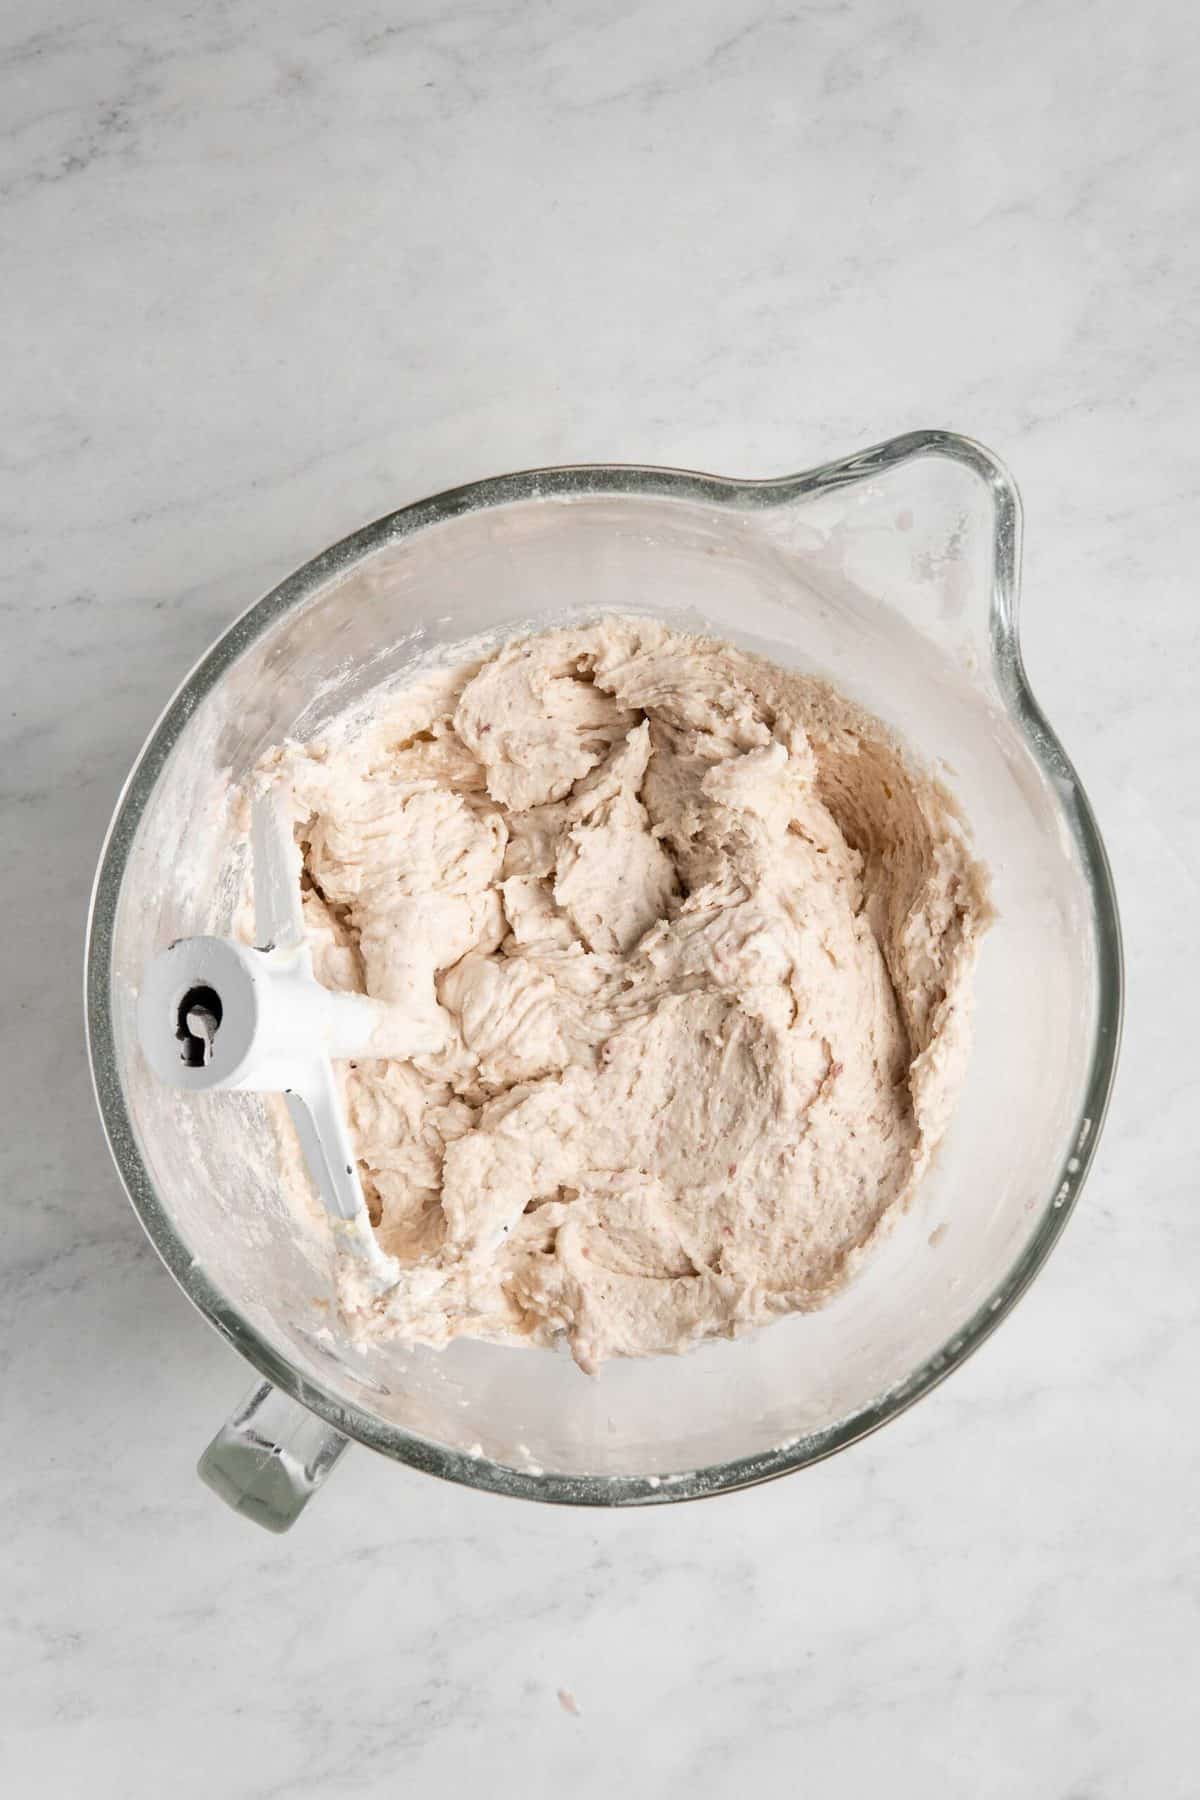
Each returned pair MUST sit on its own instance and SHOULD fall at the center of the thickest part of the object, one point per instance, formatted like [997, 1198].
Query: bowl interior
[885, 588]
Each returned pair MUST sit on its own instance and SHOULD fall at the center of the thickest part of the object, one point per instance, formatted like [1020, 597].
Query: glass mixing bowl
[894, 573]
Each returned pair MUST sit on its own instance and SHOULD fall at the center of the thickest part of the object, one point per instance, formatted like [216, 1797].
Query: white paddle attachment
[215, 1014]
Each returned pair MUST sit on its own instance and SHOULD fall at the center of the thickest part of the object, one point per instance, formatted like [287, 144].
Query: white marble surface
[269, 270]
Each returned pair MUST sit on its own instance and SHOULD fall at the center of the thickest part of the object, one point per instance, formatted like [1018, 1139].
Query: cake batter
[696, 939]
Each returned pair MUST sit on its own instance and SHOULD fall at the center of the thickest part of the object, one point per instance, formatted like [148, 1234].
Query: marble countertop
[270, 271]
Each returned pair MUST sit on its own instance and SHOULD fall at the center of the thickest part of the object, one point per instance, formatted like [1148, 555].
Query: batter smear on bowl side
[698, 939]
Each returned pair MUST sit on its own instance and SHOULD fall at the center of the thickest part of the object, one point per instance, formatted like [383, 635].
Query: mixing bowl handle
[270, 1457]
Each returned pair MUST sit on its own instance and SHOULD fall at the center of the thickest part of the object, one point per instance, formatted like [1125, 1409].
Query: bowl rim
[591, 481]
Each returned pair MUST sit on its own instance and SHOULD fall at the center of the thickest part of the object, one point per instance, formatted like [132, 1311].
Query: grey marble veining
[269, 271]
